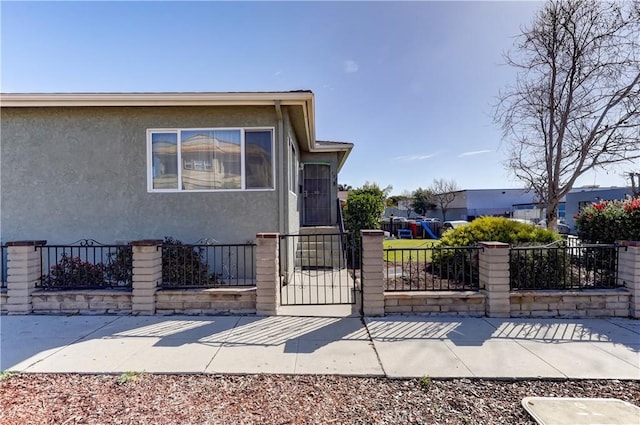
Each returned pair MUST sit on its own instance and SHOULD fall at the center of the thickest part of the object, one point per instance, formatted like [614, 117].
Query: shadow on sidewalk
[252, 331]
[472, 331]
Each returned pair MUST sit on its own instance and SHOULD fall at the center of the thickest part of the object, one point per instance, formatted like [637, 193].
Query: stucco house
[117, 167]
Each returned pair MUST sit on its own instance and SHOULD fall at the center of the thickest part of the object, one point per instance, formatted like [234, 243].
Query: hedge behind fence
[609, 221]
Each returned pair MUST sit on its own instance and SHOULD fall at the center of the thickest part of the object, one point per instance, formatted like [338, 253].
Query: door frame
[305, 197]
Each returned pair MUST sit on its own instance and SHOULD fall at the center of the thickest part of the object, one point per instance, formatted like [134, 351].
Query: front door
[316, 190]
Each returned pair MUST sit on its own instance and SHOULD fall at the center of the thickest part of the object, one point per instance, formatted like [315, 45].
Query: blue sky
[412, 84]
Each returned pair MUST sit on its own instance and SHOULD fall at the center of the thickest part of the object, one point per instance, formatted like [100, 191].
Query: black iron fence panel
[3, 266]
[431, 269]
[319, 269]
[574, 266]
[208, 265]
[85, 264]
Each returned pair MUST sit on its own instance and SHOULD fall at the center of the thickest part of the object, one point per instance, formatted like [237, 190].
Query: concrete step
[326, 245]
[319, 230]
[314, 259]
[330, 262]
[319, 246]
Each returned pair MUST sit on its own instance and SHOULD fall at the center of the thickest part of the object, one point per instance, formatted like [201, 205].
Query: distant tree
[423, 201]
[402, 201]
[575, 105]
[344, 187]
[375, 187]
[443, 194]
[394, 201]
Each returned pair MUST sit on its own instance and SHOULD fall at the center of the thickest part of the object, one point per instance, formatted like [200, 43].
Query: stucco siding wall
[72, 173]
[294, 200]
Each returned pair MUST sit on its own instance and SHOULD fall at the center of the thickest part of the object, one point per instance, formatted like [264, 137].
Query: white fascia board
[153, 99]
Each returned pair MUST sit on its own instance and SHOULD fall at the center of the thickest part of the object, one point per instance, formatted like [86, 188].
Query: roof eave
[301, 99]
[343, 149]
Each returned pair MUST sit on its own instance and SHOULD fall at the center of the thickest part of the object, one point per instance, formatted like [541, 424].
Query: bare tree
[575, 105]
[443, 194]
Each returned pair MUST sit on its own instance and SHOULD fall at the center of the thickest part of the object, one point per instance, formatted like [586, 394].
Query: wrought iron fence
[207, 265]
[319, 269]
[85, 264]
[3, 266]
[585, 266]
[431, 269]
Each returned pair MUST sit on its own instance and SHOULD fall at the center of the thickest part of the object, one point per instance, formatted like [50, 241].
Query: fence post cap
[267, 235]
[147, 242]
[26, 243]
[371, 232]
[492, 245]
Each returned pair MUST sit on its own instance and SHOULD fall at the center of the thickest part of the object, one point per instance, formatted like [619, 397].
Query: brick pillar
[372, 273]
[267, 266]
[494, 278]
[147, 274]
[23, 273]
[629, 273]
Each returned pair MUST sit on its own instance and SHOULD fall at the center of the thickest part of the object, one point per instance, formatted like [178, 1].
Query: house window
[258, 159]
[164, 162]
[212, 159]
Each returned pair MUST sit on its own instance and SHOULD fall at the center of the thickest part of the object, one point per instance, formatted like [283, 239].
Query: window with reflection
[210, 159]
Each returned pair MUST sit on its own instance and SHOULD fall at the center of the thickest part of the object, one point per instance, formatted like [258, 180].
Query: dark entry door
[316, 190]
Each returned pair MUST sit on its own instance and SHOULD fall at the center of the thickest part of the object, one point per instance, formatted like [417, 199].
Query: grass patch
[127, 377]
[426, 382]
[404, 250]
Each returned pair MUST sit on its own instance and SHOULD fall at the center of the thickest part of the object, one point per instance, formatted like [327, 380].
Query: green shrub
[72, 271]
[183, 264]
[540, 269]
[119, 267]
[364, 208]
[497, 229]
[487, 229]
[609, 221]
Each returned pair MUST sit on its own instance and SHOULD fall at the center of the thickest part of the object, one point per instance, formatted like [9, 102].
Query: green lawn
[411, 249]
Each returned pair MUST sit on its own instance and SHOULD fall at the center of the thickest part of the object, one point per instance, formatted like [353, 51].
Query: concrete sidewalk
[394, 346]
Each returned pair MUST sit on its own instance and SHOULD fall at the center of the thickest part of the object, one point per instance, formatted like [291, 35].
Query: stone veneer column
[267, 257]
[629, 273]
[23, 273]
[147, 274]
[372, 272]
[494, 278]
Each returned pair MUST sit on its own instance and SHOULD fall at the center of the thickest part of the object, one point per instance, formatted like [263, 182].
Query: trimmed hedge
[497, 229]
[609, 221]
[491, 229]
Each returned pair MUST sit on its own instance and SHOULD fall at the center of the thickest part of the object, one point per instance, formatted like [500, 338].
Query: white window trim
[179, 130]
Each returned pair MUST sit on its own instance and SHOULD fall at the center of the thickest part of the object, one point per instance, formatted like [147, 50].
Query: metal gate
[319, 269]
[316, 190]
